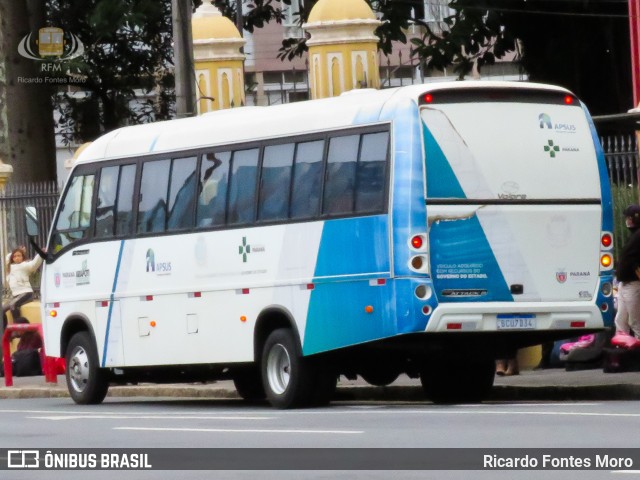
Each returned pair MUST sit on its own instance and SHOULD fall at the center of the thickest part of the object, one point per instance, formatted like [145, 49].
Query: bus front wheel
[287, 376]
[86, 381]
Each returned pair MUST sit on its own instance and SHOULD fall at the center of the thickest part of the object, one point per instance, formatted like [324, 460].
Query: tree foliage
[128, 55]
[580, 44]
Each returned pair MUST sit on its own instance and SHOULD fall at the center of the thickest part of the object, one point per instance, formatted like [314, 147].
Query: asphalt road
[170, 423]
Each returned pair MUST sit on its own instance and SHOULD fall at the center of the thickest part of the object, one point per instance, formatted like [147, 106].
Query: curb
[350, 393]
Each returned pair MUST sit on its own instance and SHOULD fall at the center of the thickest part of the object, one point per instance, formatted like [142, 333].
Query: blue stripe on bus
[337, 316]
[341, 280]
[353, 246]
[605, 187]
[409, 216]
[441, 180]
[462, 259]
[153, 143]
[111, 298]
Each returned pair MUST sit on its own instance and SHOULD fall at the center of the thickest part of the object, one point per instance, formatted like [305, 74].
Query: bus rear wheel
[291, 380]
[458, 381]
[86, 381]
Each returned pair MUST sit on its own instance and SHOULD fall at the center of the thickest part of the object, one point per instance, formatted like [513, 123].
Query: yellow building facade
[342, 48]
[218, 60]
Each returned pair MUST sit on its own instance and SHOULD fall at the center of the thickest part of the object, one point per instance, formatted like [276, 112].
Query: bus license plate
[526, 322]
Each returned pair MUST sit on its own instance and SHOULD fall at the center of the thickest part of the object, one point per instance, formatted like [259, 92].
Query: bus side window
[242, 188]
[341, 175]
[124, 214]
[182, 192]
[152, 207]
[105, 208]
[74, 217]
[212, 199]
[275, 182]
[307, 180]
[370, 184]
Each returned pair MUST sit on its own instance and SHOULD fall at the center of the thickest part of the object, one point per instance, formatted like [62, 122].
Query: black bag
[618, 360]
[26, 363]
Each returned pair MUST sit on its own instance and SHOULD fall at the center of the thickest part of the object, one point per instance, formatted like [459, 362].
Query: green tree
[581, 45]
[26, 123]
[125, 75]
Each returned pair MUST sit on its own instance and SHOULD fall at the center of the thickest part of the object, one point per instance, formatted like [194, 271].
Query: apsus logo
[151, 261]
[153, 266]
[561, 276]
[545, 122]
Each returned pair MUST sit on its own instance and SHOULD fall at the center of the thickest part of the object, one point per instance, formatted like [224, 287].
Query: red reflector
[454, 326]
[381, 281]
[197, 294]
[56, 305]
[606, 240]
[416, 241]
[578, 324]
[568, 99]
[245, 291]
[148, 298]
[428, 98]
[104, 304]
[310, 286]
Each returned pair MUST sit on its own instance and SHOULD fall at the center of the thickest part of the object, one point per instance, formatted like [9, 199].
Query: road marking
[145, 417]
[238, 430]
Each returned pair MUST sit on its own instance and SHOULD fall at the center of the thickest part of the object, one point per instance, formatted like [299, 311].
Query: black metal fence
[621, 154]
[13, 200]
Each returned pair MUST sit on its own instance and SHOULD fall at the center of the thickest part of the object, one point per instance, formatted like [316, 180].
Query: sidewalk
[552, 384]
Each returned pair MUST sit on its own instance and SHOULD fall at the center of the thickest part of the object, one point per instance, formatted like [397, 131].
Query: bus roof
[223, 127]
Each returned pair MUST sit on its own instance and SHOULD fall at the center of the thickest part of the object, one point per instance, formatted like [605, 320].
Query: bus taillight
[606, 240]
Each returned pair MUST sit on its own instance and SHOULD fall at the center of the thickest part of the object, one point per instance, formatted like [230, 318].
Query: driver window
[74, 216]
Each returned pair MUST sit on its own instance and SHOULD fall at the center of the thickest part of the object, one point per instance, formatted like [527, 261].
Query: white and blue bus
[425, 230]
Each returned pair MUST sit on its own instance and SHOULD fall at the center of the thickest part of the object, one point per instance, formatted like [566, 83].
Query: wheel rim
[278, 369]
[79, 369]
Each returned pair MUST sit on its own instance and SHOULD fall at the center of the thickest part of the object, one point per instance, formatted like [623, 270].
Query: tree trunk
[27, 139]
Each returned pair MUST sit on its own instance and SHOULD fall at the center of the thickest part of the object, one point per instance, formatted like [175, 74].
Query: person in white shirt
[19, 269]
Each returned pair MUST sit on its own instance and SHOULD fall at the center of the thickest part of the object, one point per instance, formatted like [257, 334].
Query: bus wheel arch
[71, 326]
[271, 319]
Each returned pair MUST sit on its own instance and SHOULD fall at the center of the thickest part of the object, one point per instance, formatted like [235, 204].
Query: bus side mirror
[31, 221]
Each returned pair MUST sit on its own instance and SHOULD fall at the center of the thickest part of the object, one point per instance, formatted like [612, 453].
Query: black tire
[457, 381]
[86, 381]
[248, 383]
[287, 377]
